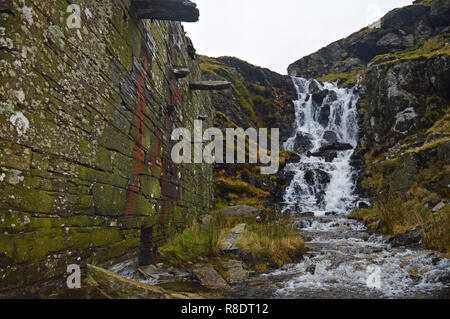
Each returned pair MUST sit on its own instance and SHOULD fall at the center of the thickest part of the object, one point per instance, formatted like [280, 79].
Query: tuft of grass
[275, 243]
[271, 243]
[433, 46]
[428, 145]
[394, 214]
[347, 79]
[196, 242]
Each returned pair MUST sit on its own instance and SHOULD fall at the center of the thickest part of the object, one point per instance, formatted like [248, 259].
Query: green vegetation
[196, 242]
[272, 243]
[394, 214]
[275, 243]
[345, 79]
[434, 46]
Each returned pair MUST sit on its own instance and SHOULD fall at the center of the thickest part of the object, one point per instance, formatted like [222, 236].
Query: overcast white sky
[275, 33]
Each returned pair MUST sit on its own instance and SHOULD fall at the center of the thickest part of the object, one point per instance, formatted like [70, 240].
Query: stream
[344, 261]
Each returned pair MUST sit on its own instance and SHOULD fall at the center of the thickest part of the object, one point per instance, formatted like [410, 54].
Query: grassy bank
[394, 215]
[269, 244]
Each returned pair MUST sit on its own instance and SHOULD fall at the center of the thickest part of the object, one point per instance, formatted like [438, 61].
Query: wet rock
[317, 175]
[175, 10]
[324, 115]
[208, 277]
[303, 142]
[319, 97]
[284, 178]
[435, 260]
[115, 286]
[336, 147]
[314, 87]
[311, 269]
[236, 272]
[261, 283]
[149, 271]
[330, 137]
[329, 155]
[409, 238]
[309, 177]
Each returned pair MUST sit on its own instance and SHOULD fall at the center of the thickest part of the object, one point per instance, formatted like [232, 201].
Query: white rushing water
[346, 261]
[324, 114]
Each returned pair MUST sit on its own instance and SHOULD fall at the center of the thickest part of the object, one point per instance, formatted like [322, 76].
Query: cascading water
[344, 260]
[326, 120]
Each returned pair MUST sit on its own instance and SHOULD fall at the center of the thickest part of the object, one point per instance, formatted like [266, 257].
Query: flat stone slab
[115, 286]
[209, 277]
[229, 243]
[236, 272]
[210, 85]
[174, 10]
[150, 271]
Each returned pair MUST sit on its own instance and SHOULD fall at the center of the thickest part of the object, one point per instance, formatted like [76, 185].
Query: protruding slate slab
[115, 286]
[210, 85]
[180, 72]
[174, 10]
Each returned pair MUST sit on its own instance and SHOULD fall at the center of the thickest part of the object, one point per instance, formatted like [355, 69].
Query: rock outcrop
[399, 29]
[259, 98]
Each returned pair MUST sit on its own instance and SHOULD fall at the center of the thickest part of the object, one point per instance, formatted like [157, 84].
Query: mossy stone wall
[85, 121]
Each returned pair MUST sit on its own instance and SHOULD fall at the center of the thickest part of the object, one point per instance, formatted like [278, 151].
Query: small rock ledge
[174, 10]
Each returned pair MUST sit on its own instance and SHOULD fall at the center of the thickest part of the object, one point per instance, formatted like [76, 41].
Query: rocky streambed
[344, 260]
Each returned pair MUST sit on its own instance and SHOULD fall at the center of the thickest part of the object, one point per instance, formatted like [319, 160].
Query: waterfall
[325, 135]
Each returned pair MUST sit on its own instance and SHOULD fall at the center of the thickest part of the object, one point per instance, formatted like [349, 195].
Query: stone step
[229, 243]
[208, 277]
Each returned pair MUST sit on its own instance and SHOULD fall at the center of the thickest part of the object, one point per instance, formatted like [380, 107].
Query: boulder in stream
[208, 277]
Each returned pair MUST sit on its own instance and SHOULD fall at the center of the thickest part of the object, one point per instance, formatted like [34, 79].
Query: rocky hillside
[404, 68]
[259, 98]
[398, 30]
